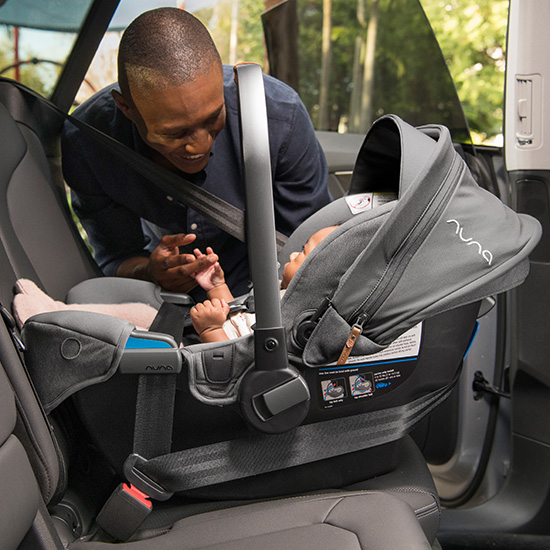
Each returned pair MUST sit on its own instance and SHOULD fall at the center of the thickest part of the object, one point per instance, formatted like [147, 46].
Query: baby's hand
[209, 315]
[212, 276]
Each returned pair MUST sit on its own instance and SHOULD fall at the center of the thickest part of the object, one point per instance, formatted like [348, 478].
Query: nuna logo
[485, 254]
[159, 367]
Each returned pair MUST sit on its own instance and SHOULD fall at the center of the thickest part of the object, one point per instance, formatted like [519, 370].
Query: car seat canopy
[445, 242]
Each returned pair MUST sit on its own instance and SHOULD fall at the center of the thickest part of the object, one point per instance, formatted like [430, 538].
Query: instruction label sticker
[407, 345]
[370, 376]
[365, 201]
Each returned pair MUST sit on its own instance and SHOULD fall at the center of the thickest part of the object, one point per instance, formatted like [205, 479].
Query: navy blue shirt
[125, 214]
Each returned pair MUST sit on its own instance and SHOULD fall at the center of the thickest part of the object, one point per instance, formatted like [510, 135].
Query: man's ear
[122, 104]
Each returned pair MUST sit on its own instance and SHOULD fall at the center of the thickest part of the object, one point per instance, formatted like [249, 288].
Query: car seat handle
[274, 398]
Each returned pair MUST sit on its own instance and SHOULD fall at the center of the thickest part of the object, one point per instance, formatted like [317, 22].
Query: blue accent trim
[472, 338]
[145, 343]
[352, 366]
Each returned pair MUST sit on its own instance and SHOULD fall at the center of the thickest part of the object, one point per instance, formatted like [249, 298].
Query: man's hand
[174, 271]
[166, 266]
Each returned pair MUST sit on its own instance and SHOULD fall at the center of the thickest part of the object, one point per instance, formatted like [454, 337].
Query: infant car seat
[374, 327]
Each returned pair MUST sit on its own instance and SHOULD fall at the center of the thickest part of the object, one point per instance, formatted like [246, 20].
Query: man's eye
[214, 118]
[217, 115]
[175, 135]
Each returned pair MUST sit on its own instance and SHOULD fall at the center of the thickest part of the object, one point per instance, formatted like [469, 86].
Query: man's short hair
[164, 47]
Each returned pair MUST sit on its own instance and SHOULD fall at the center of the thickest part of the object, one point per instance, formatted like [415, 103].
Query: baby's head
[296, 259]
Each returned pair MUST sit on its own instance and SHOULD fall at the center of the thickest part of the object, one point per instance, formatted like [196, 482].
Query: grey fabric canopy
[443, 243]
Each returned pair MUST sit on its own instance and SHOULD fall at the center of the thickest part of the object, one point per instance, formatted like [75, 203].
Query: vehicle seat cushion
[115, 290]
[7, 408]
[36, 234]
[354, 521]
[18, 487]
[413, 483]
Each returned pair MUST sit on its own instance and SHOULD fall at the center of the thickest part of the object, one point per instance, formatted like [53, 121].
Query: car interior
[472, 474]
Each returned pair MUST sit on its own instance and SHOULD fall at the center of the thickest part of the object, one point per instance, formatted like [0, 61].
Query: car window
[351, 60]
[382, 58]
[359, 60]
[36, 39]
[236, 29]
[472, 36]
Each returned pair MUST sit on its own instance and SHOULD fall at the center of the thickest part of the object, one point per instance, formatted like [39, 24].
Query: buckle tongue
[142, 481]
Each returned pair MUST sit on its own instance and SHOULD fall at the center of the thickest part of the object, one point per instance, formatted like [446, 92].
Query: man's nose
[199, 142]
[293, 256]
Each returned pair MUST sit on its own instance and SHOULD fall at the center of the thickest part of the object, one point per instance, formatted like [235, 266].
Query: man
[177, 104]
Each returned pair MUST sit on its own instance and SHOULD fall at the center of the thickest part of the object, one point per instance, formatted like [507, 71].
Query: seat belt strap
[241, 458]
[128, 506]
[171, 319]
[154, 414]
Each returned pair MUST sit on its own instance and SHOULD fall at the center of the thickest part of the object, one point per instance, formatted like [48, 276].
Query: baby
[210, 318]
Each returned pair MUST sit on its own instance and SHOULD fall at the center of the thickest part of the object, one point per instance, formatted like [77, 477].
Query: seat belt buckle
[124, 512]
[138, 479]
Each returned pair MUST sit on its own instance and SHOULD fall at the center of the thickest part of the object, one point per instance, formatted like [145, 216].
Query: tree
[362, 100]
[243, 42]
[326, 62]
[472, 36]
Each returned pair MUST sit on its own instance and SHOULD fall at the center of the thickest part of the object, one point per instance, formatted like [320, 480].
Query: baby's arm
[212, 279]
[208, 318]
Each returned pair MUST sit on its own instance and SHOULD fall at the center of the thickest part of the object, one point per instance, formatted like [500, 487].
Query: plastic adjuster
[124, 512]
[137, 478]
[11, 326]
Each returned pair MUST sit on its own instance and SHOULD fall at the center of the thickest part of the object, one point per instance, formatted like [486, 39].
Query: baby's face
[296, 259]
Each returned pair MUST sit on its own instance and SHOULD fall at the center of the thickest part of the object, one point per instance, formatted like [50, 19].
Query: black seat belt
[241, 458]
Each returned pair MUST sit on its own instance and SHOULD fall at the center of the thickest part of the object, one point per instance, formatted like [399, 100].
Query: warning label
[407, 345]
[369, 376]
[365, 201]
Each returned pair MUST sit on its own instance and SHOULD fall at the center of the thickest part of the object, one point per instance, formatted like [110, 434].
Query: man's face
[181, 122]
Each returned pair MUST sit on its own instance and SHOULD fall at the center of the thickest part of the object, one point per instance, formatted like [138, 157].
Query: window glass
[472, 36]
[350, 60]
[36, 38]
[235, 26]
[361, 59]
[405, 72]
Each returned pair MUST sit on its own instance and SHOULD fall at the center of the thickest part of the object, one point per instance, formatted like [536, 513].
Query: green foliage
[218, 19]
[40, 76]
[472, 35]
[6, 51]
[345, 28]
[410, 76]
